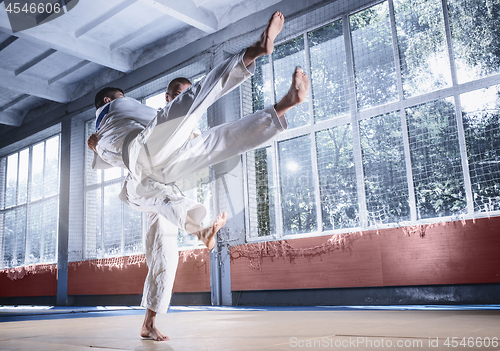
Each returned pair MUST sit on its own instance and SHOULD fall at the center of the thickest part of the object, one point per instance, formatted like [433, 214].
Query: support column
[63, 231]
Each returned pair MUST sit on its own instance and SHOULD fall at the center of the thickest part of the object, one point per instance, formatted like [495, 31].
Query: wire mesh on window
[37, 171]
[11, 186]
[384, 169]
[298, 197]
[262, 84]
[93, 223]
[337, 178]
[480, 113]
[22, 188]
[50, 224]
[474, 29]
[422, 45]
[373, 56]
[286, 57]
[329, 82]
[112, 221]
[27, 234]
[51, 171]
[132, 231]
[435, 156]
[35, 232]
[197, 187]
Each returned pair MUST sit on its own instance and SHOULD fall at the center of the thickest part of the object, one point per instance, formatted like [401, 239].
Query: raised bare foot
[151, 332]
[207, 235]
[297, 93]
[265, 44]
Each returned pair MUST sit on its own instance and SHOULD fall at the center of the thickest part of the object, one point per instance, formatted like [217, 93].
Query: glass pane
[22, 194]
[373, 56]
[337, 178]
[112, 214]
[476, 40]
[262, 84]
[329, 80]
[481, 118]
[197, 187]
[298, 198]
[37, 171]
[20, 235]
[156, 101]
[384, 169]
[132, 230]
[261, 190]
[50, 224]
[112, 173]
[425, 65]
[91, 176]
[35, 223]
[286, 57]
[51, 183]
[435, 156]
[93, 223]
[9, 239]
[11, 186]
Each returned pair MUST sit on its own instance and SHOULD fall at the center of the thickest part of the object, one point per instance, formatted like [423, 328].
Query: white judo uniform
[162, 152]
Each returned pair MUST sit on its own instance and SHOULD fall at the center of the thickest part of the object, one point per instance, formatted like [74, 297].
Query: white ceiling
[97, 41]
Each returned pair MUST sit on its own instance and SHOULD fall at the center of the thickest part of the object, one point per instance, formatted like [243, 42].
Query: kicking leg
[265, 44]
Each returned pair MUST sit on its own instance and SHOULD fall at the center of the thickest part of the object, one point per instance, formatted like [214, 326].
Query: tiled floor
[241, 328]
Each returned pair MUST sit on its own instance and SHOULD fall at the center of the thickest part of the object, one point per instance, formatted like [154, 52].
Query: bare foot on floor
[297, 93]
[152, 332]
[265, 44]
[207, 235]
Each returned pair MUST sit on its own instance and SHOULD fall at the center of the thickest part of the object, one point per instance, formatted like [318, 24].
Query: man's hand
[92, 142]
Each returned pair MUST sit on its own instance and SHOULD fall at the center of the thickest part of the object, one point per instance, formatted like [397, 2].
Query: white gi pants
[164, 153]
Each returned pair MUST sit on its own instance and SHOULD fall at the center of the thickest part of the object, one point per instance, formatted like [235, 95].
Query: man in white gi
[161, 147]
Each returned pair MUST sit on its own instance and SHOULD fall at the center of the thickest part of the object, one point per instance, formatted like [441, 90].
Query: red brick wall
[448, 253]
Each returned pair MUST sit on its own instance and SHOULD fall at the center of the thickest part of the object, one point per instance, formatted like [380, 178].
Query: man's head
[176, 87]
[106, 95]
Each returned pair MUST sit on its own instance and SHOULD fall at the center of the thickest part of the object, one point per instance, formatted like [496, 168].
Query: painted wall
[115, 276]
[449, 253]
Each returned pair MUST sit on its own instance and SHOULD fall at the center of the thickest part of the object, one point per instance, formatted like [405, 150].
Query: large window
[111, 227]
[29, 205]
[393, 131]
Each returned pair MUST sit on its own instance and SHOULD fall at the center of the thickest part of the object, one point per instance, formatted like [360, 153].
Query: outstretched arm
[92, 142]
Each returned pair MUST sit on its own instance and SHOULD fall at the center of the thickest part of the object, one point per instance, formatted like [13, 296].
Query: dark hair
[174, 82]
[106, 92]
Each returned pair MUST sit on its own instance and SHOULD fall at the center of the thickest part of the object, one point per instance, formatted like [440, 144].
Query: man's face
[176, 91]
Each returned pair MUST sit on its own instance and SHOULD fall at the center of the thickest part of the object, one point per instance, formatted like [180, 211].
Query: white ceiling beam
[141, 31]
[68, 72]
[53, 37]
[187, 12]
[12, 117]
[103, 17]
[14, 102]
[7, 42]
[34, 62]
[33, 86]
